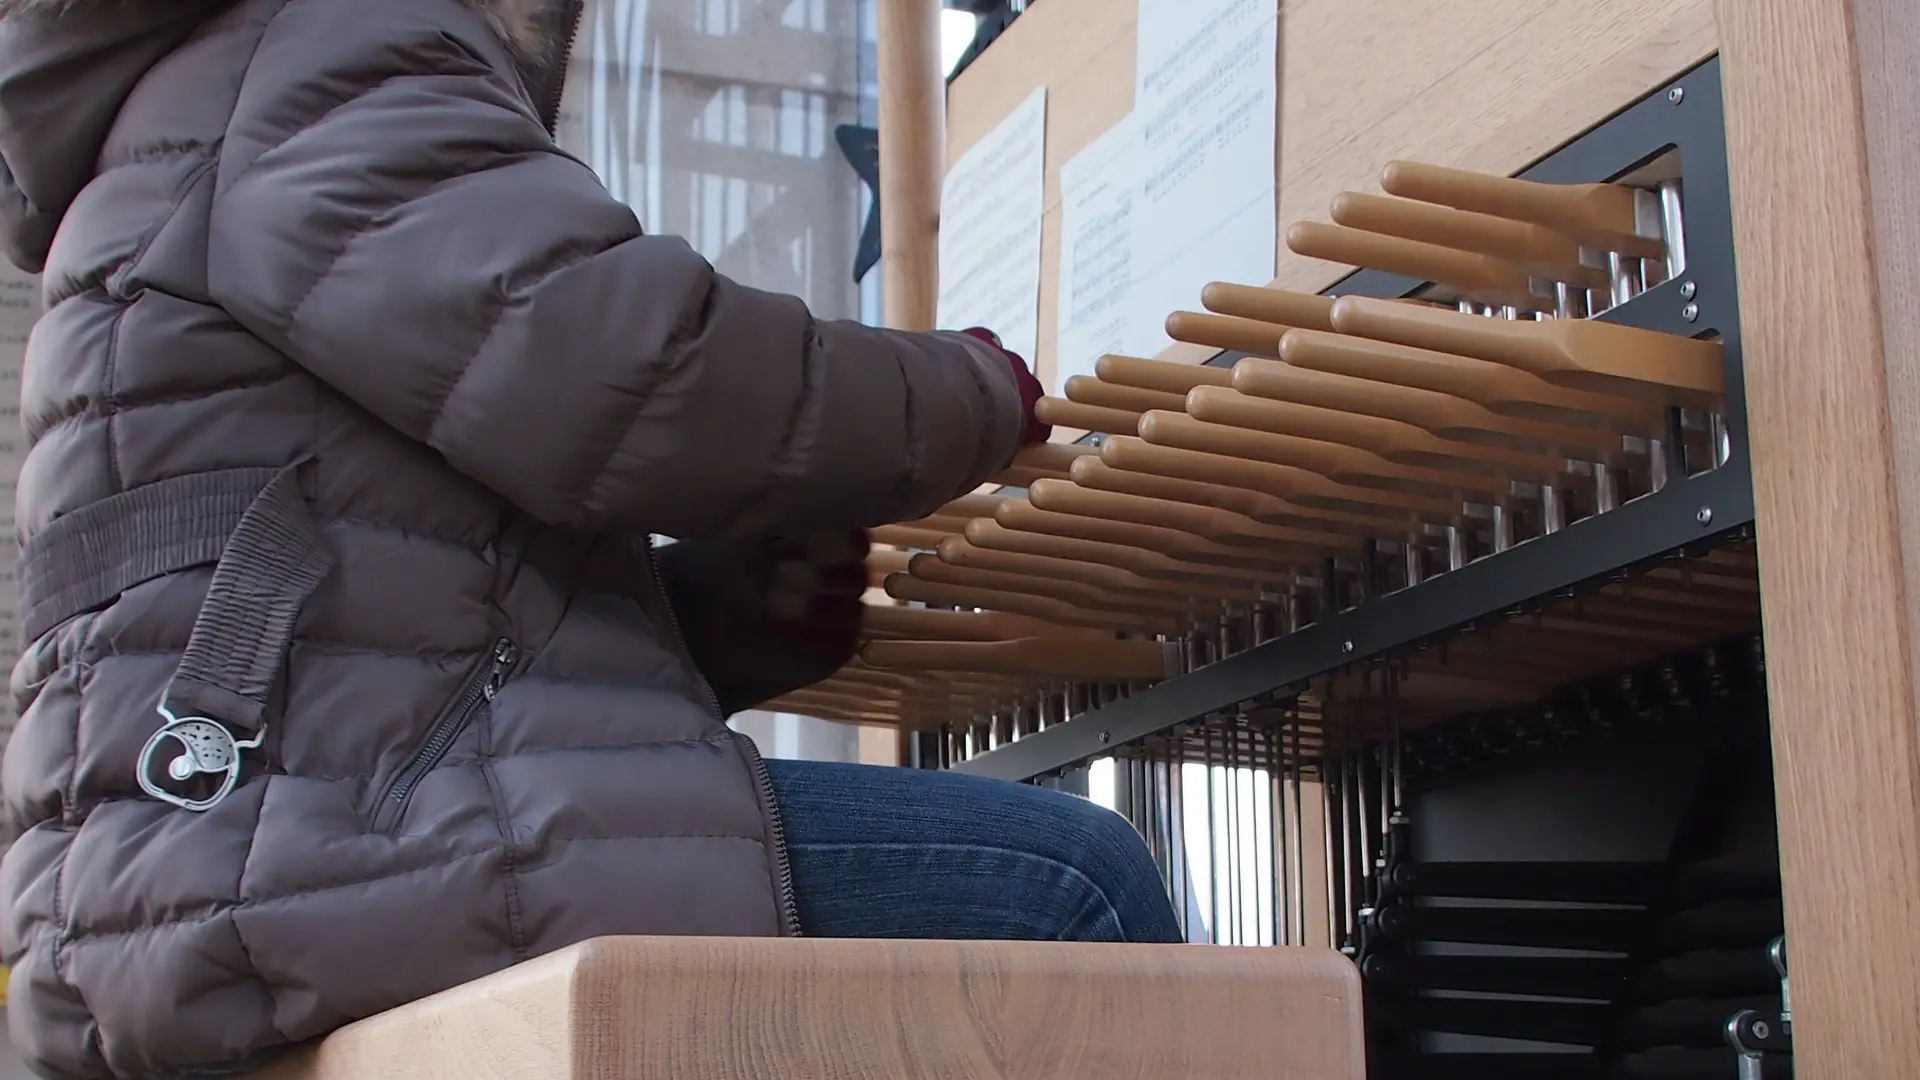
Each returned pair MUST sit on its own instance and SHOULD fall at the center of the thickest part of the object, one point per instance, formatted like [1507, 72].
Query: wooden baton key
[1226, 332]
[1088, 390]
[1215, 525]
[1306, 311]
[1160, 375]
[1096, 474]
[1288, 482]
[1604, 216]
[908, 536]
[1443, 415]
[1585, 353]
[968, 507]
[1479, 277]
[1393, 440]
[1539, 251]
[883, 561]
[1034, 462]
[1072, 414]
[1365, 476]
[1507, 391]
[1045, 657]
[1148, 564]
[959, 551]
[1046, 609]
[929, 567]
[1169, 542]
[934, 624]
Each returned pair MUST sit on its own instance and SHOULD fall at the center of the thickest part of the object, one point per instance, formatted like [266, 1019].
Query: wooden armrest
[812, 1009]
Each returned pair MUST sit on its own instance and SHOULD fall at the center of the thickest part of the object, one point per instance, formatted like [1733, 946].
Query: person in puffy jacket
[352, 672]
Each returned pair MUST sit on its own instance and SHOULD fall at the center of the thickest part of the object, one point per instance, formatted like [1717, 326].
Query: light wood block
[815, 1009]
[1822, 97]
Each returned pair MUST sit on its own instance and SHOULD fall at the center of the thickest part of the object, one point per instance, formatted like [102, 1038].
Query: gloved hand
[814, 597]
[763, 617]
[1030, 389]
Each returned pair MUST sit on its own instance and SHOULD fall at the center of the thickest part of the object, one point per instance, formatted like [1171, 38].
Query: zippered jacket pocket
[476, 693]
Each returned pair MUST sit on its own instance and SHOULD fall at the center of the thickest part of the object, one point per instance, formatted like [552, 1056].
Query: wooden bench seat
[767, 1009]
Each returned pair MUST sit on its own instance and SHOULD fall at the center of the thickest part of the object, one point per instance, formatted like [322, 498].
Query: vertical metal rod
[1384, 827]
[1623, 278]
[1277, 836]
[1569, 301]
[1234, 831]
[1359, 826]
[1456, 547]
[1676, 445]
[1164, 810]
[1213, 837]
[1598, 301]
[1399, 746]
[1235, 834]
[1136, 794]
[1673, 227]
[1606, 487]
[1330, 826]
[1502, 528]
[1647, 222]
[1177, 826]
[1297, 837]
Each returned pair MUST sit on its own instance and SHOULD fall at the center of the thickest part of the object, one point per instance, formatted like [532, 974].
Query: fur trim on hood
[516, 21]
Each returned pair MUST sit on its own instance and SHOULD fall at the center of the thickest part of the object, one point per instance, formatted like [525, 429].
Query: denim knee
[1113, 859]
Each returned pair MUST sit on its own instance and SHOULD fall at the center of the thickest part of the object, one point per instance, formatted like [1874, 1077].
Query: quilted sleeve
[403, 227]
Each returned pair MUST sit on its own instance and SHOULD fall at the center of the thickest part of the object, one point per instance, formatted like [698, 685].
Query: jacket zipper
[554, 92]
[475, 694]
[763, 783]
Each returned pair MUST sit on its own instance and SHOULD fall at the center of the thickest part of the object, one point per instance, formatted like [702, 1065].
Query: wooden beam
[913, 148]
[1822, 101]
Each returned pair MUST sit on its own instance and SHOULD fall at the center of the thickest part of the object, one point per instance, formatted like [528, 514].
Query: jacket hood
[66, 68]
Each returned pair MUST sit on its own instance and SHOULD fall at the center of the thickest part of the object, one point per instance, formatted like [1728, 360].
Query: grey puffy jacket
[353, 405]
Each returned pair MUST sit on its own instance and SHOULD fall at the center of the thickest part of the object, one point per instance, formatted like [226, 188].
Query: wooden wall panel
[1482, 84]
[1489, 85]
[1082, 51]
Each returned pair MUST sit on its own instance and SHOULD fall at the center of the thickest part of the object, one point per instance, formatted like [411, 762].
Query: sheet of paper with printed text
[990, 210]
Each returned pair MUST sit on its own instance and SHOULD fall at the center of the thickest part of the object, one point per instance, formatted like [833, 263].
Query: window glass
[714, 120]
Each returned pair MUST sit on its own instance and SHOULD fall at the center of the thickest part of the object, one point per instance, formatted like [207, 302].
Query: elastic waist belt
[254, 527]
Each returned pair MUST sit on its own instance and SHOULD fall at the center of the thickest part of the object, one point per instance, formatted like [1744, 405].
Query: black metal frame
[1691, 511]
[994, 17]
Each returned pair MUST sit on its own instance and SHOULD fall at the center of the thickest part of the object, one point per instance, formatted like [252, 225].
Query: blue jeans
[911, 853]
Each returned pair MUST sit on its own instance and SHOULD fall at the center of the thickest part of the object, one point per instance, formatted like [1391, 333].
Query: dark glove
[1030, 389]
[764, 618]
[815, 599]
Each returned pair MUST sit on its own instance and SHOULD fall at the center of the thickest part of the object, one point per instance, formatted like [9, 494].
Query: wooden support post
[1822, 100]
[913, 150]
